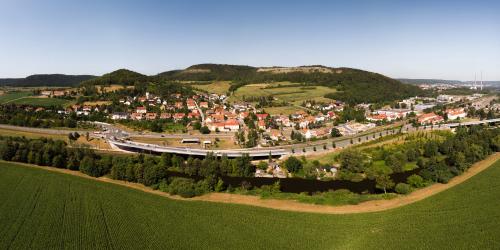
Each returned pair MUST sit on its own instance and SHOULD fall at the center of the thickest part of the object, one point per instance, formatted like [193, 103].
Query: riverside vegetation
[438, 158]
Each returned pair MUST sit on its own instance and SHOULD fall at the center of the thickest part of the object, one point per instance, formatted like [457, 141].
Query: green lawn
[10, 96]
[44, 102]
[42, 209]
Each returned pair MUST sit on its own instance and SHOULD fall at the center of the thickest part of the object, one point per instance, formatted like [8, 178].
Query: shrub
[219, 186]
[403, 188]
[416, 181]
[182, 186]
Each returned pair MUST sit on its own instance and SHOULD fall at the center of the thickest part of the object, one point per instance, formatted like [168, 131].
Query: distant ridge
[352, 85]
[121, 76]
[39, 80]
[441, 81]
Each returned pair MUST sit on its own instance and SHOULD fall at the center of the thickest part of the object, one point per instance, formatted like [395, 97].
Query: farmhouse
[46, 93]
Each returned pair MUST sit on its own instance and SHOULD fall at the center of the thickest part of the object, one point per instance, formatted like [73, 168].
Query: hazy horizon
[449, 40]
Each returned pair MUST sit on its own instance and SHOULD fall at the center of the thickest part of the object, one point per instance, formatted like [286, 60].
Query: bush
[186, 188]
[416, 181]
[403, 188]
[183, 187]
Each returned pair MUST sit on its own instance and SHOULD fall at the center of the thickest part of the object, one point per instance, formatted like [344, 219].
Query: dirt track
[290, 205]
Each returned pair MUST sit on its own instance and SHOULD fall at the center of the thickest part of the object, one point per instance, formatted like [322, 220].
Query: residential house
[261, 124]
[191, 104]
[165, 116]
[204, 105]
[119, 116]
[141, 110]
[454, 114]
[179, 116]
[430, 118]
[136, 116]
[232, 125]
[151, 116]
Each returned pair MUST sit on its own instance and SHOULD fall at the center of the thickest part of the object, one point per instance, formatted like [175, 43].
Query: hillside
[429, 81]
[120, 77]
[353, 85]
[53, 210]
[58, 80]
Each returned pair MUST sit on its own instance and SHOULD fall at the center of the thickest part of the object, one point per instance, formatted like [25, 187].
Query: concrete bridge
[156, 149]
[489, 121]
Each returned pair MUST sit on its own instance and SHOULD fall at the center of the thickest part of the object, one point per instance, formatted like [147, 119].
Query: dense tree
[293, 164]
[352, 160]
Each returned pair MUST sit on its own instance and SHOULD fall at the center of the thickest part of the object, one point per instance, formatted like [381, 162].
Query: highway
[116, 137]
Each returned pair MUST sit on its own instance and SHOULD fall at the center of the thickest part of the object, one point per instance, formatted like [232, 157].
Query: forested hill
[121, 77]
[429, 81]
[58, 80]
[354, 85]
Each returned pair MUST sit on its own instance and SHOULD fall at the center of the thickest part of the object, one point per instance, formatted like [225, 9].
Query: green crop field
[288, 93]
[11, 96]
[42, 209]
[220, 87]
[44, 102]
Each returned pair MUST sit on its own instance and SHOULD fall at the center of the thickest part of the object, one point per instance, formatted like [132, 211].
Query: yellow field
[110, 88]
[97, 103]
[221, 87]
[31, 135]
[286, 110]
[93, 142]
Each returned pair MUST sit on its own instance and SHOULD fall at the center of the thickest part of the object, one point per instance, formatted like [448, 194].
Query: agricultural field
[286, 92]
[221, 87]
[92, 142]
[7, 97]
[111, 88]
[39, 101]
[31, 135]
[285, 110]
[43, 209]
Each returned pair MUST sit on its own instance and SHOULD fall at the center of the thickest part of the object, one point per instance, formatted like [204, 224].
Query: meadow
[44, 102]
[11, 96]
[42, 209]
[286, 92]
[220, 87]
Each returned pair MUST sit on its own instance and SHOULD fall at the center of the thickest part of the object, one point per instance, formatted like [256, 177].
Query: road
[115, 135]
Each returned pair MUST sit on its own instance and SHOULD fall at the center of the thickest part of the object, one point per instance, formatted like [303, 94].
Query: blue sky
[414, 39]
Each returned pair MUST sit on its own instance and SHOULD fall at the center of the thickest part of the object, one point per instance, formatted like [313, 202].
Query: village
[204, 113]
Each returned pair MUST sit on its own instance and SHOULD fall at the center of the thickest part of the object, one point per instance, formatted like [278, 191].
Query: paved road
[115, 134]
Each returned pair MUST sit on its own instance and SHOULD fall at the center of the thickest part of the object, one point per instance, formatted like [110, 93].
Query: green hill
[42, 210]
[353, 85]
[120, 77]
[42, 80]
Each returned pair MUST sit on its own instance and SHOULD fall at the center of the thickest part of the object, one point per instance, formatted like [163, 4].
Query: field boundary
[295, 206]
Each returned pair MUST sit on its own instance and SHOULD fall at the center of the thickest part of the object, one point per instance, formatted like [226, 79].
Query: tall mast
[474, 86]
[481, 80]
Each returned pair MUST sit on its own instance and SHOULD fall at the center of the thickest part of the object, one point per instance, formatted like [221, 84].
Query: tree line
[145, 169]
